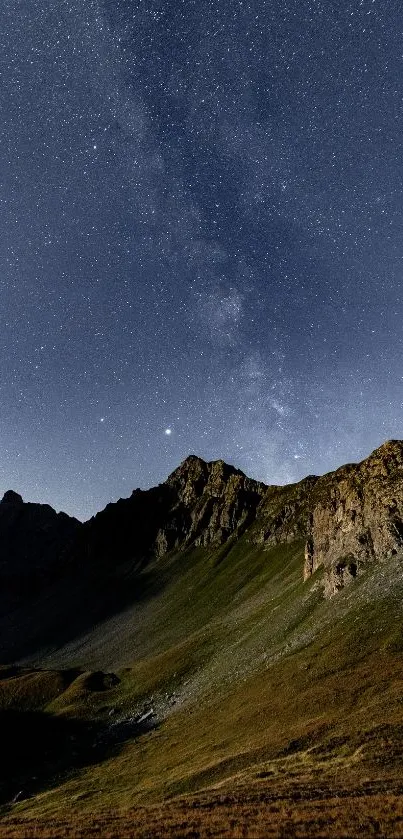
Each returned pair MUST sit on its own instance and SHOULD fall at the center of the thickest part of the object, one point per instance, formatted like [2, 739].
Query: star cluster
[201, 239]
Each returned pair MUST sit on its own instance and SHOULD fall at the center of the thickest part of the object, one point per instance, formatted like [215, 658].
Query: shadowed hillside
[231, 648]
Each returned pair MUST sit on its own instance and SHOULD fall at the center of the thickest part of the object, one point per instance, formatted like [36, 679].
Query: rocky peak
[284, 512]
[189, 479]
[32, 537]
[213, 501]
[11, 497]
[215, 478]
[199, 504]
[347, 518]
[386, 461]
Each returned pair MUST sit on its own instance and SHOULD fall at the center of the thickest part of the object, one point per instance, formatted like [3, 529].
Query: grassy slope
[270, 683]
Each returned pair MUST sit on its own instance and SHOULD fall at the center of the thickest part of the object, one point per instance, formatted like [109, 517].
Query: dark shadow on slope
[40, 751]
[103, 571]
[71, 607]
[106, 564]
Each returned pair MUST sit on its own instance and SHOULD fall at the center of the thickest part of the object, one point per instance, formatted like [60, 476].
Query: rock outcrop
[11, 497]
[356, 517]
[34, 549]
[283, 513]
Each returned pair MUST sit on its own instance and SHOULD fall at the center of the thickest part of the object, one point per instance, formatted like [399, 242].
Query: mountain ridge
[207, 502]
[176, 649]
[347, 520]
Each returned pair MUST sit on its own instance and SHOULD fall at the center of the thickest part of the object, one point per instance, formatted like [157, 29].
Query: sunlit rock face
[348, 518]
[213, 501]
[283, 513]
[356, 517]
[199, 504]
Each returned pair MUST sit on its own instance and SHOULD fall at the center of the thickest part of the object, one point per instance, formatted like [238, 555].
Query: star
[230, 258]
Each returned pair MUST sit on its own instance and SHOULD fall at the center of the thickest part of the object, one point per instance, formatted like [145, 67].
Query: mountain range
[210, 638]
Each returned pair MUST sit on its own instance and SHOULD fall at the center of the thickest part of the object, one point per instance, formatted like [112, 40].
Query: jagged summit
[389, 454]
[216, 499]
[193, 466]
[353, 512]
[390, 444]
[348, 517]
[195, 475]
[346, 520]
[199, 504]
[32, 536]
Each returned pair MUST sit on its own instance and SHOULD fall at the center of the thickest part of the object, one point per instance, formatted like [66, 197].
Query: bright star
[168, 431]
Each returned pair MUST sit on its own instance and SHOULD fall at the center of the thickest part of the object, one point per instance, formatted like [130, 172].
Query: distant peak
[193, 459]
[11, 497]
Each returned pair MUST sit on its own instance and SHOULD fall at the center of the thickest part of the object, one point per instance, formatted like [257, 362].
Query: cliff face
[347, 518]
[356, 516]
[59, 578]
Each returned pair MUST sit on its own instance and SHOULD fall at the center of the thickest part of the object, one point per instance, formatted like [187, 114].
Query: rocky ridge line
[347, 518]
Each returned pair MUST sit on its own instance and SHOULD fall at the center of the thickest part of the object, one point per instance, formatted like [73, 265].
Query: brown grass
[302, 809]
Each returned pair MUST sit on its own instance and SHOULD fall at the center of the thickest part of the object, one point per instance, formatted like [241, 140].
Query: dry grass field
[300, 809]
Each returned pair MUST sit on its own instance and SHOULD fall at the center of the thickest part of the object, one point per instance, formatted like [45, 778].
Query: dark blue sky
[201, 233]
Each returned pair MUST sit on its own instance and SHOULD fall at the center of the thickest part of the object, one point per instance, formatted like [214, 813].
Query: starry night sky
[201, 239]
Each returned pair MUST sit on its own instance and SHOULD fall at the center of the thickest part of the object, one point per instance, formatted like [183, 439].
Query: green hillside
[258, 687]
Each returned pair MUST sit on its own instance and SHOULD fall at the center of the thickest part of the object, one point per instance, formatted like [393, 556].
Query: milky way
[201, 240]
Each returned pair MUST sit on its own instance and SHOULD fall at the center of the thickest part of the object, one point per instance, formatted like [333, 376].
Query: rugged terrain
[211, 657]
